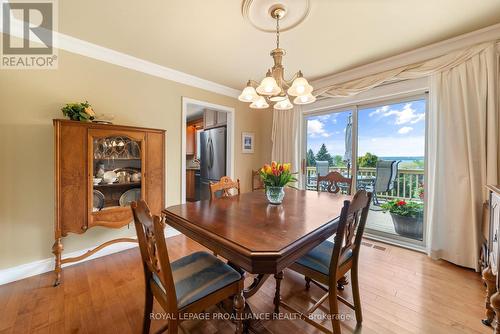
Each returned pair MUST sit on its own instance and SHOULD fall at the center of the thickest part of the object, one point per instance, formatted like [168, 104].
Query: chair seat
[319, 258]
[198, 275]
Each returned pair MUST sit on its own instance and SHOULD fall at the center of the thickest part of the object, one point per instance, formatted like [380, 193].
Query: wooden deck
[401, 292]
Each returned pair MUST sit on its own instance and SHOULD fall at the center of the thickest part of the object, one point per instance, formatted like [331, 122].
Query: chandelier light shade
[304, 99]
[268, 86]
[300, 87]
[260, 103]
[274, 88]
[283, 105]
[248, 94]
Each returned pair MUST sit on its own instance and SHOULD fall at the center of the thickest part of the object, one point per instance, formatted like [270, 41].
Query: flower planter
[410, 227]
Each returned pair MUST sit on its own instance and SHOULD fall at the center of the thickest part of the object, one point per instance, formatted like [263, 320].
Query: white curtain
[462, 154]
[286, 137]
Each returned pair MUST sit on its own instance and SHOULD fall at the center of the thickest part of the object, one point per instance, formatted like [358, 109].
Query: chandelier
[274, 88]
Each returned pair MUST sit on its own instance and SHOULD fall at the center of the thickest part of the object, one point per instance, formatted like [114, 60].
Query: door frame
[413, 89]
[230, 139]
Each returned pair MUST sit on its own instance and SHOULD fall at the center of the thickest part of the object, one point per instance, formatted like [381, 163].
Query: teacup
[110, 180]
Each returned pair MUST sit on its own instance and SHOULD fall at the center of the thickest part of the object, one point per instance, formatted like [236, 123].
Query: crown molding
[87, 49]
[78, 46]
[411, 57]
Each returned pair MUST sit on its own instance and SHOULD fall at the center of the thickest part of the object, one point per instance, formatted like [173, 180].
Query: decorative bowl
[97, 180]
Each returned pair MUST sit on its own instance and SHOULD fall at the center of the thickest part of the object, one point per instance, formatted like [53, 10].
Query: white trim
[411, 57]
[230, 138]
[94, 51]
[43, 266]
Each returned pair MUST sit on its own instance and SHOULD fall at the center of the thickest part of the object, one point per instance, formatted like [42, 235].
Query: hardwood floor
[401, 292]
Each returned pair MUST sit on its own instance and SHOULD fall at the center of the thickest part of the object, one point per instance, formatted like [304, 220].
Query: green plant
[323, 155]
[276, 175]
[368, 160]
[79, 111]
[403, 208]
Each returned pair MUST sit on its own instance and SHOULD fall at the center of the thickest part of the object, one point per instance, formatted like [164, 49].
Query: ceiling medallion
[274, 88]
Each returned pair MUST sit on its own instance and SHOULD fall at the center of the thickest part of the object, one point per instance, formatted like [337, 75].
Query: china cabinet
[99, 170]
[490, 273]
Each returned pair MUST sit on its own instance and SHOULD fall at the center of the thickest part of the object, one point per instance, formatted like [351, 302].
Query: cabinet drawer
[113, 218]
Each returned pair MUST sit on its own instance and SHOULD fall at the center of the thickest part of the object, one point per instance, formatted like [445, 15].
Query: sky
[395, 130]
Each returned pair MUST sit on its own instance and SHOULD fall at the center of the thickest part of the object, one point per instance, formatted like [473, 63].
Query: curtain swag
[413, 71]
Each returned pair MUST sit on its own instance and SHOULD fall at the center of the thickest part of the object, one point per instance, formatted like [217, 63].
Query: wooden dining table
[257, 237]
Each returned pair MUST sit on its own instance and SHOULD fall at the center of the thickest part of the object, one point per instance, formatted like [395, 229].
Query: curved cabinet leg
[57, 249]
[495, 304]
[490, 280]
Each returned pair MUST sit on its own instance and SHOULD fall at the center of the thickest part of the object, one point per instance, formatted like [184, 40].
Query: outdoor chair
[386, 173]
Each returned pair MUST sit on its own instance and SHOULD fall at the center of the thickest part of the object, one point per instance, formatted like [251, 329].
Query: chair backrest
[386, 173]
[322, 167]
[154, 253]
[330, 182]
[224, 186]
[350, 231]
[256, 181]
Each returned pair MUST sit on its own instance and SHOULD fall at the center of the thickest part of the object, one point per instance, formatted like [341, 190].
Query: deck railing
[406, 184]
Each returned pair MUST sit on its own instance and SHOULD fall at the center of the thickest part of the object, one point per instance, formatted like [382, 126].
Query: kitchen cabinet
[214, 118]
[190, 185]
[191, 128]
[190, 140]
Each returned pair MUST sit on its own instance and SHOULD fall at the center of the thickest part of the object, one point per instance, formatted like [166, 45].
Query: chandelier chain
[277, 31]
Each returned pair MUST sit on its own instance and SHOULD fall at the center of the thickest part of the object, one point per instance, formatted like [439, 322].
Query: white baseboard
[42, 266]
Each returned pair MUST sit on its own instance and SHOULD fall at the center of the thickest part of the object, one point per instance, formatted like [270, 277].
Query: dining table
[256, 237]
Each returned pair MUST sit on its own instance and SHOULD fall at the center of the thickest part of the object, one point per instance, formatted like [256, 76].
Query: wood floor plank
[402, 291]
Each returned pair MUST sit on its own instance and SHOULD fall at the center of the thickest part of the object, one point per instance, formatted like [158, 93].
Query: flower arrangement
[276, 174]
[82, 111]
[403, 208]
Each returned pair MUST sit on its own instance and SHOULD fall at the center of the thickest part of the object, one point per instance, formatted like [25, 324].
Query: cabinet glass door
[117, 172]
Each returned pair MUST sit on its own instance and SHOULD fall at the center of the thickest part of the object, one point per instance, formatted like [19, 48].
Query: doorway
[207, 146]
[383, 146]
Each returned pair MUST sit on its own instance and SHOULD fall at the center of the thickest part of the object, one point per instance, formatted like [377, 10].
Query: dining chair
[330, 261]
[186, 286]
[332, 182]
[224, 186]
[257, 183]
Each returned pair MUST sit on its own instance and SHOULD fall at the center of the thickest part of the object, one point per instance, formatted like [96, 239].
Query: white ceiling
[211, 40]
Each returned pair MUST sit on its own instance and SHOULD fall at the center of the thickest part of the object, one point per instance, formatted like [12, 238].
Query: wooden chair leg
[308, 282]
[277, 294]
[334, 310]
[239, 308]
[355, 294]
[490, 280]
[148, 308]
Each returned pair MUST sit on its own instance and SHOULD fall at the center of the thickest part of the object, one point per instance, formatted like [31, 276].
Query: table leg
[489, 279]
[277, 297]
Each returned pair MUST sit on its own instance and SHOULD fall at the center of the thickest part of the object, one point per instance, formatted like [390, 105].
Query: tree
[310, 159]
[323, 155]
[338, 161]
[368, 160]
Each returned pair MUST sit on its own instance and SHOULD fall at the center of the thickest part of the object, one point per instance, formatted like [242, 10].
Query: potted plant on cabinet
[407, 217]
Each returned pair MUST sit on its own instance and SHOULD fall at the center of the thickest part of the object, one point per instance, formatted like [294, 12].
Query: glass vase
[275, 195]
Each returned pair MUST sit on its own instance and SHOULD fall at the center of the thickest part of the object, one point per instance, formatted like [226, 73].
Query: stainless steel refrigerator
[213, 158]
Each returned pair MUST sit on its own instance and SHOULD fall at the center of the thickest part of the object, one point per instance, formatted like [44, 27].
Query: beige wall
[29, 100]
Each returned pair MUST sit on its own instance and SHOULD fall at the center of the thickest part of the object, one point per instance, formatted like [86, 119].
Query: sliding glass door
[383, 144]
[328, 146]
